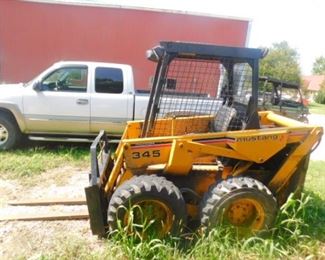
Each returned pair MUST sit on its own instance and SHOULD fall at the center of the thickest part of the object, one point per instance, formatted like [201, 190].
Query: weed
[75, 248]
[315, 178]
[139, 240]
[31, 162]
[298, 232]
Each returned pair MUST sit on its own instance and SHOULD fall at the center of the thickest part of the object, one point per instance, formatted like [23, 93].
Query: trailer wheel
[243, 203]
[9, 132]
[149, 205]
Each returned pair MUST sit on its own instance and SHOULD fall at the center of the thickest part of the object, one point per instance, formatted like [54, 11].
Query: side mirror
[37, 86]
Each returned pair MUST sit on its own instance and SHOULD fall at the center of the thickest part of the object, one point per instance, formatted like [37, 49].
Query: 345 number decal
[146, 154]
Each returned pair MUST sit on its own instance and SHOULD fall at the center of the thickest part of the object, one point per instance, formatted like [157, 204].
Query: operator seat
[223, 117]
[252, 120]
[229, 119]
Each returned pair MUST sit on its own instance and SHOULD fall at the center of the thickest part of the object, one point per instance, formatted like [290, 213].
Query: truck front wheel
[9, 132]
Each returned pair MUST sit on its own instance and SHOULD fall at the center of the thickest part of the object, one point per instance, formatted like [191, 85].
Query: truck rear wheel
[9, 132]
[243, 203]
[149, 205]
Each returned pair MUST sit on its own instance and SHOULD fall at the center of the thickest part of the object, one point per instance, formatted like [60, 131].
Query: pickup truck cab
[70, 101]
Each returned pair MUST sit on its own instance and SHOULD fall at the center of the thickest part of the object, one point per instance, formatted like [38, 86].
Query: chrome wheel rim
[3, 134]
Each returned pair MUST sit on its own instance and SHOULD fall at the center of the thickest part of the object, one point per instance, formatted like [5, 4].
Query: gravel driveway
[319, 153]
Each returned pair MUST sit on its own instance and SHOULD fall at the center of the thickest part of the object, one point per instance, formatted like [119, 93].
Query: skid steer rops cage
[203, 156]
[204, 82]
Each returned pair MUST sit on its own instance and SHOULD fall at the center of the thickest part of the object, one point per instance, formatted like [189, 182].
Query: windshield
[38, 76]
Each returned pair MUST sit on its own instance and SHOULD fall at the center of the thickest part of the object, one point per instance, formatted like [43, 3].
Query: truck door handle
[82, 101]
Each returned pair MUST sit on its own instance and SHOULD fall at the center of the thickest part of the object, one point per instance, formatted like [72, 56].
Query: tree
[282, 63]
[319, 66]
[320, 96]
[319, 69]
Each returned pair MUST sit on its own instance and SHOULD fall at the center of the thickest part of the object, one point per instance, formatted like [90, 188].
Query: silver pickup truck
[70, 101]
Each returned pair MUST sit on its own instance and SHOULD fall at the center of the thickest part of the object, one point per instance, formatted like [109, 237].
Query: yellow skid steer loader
[203, 156]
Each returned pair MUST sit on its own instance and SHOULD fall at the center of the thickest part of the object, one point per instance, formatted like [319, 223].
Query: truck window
[108, 80]
[67, 79]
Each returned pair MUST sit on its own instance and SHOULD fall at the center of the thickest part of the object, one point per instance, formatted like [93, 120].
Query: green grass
[31, 162]
[316, 108]
[315, 178]
[299, 233]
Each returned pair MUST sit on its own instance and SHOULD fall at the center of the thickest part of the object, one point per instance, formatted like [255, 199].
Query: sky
[299, 22]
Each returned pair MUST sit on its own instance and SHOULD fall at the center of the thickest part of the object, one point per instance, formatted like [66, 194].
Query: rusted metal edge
[48, 202]
[47, 216]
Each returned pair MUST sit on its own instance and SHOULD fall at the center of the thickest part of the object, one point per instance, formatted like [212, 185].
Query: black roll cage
[167, 51]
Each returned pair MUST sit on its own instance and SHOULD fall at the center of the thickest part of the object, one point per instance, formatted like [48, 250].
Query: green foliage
[71, 247]
[282, 63]
[299, 233]
[29, 162]
[319, 66]
[315, 177]
[320, 97]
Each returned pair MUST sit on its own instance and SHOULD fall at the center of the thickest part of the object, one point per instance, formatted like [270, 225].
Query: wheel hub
[246, 213]
[155, 214]
[3, 134]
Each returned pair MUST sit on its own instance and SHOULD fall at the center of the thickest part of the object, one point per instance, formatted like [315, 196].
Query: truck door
[61, 105]
[111, 103]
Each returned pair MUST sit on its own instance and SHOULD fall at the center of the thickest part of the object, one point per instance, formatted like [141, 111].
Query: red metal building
[35, 34]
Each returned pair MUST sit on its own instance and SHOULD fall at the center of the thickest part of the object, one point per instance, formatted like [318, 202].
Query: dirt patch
[8, 190]
[36, 238]
[54, 182]
[31, 239]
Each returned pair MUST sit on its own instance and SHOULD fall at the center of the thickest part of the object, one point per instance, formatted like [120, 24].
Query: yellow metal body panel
[184, 125]
[142, 155]
[290, 165]
[180, 158]
[180, 151]
[258, 146]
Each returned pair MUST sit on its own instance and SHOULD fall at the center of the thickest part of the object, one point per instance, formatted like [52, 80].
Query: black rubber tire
[14, 134]
[221, 197]
[145, 188]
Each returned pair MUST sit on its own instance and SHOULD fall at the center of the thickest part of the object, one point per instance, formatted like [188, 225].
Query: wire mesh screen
[199, 96]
